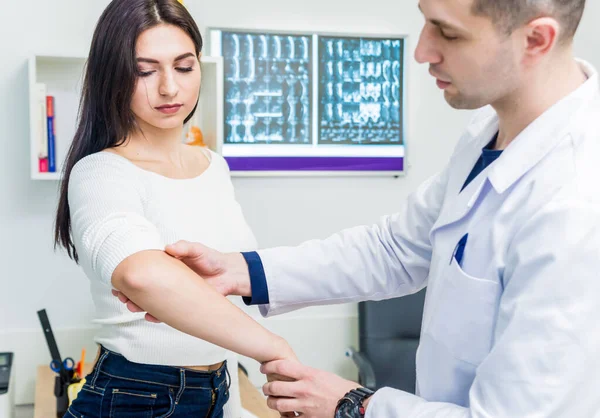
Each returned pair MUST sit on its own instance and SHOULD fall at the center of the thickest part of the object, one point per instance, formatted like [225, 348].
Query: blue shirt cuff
[258, 280]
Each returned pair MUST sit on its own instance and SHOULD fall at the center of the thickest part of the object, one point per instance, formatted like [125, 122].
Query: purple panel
[315, 163]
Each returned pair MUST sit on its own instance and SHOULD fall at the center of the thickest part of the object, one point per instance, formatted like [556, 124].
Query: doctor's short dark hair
[508, 15]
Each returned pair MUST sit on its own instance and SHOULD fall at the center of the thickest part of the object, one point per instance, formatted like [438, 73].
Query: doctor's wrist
[237, 270]
[365, 403]
[354, 403]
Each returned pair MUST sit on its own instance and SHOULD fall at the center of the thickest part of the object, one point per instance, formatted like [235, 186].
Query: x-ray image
[268, 85]
[360, 90]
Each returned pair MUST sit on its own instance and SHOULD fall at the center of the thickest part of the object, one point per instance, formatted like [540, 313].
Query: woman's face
[168, 80]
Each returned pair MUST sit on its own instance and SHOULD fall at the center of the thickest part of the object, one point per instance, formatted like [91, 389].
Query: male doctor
[506, 237]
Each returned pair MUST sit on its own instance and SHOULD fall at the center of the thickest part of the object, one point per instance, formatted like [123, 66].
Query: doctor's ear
[541, 36]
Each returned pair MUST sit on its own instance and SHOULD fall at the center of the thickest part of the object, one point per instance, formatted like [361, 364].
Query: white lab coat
[514, 331]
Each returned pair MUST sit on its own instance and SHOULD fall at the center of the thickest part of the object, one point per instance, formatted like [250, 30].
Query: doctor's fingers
[291, 369]
[121, 296]
[133, 307]
[151, 318]
[274, 377]
[285, 406]
[124, 299]
[280, 389]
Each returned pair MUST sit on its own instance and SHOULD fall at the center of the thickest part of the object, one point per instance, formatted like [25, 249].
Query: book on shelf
[42, 122]
[50, 112]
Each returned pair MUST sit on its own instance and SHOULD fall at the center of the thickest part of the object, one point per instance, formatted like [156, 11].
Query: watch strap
[356, 397]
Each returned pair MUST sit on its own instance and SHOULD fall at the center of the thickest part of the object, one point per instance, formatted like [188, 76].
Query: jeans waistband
[115, 365]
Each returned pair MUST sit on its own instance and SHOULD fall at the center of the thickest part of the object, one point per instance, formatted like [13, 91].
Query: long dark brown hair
[105, 118]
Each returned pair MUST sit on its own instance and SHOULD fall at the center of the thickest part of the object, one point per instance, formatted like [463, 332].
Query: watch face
[348, 410]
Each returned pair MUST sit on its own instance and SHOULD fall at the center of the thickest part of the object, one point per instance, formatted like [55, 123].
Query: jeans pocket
[96, 384]
[130, 403]
[87, 403]
[72, 413]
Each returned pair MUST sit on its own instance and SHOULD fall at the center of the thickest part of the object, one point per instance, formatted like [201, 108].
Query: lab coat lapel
[519, 157]
[459, 203]
[543, 134]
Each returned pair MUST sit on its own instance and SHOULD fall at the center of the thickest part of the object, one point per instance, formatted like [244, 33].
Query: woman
[130, 188]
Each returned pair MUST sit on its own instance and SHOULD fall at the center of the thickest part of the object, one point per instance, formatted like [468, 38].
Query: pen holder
[62, 399]
[61, 385]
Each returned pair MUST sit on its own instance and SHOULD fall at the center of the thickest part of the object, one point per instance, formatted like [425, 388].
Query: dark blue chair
[389, 333]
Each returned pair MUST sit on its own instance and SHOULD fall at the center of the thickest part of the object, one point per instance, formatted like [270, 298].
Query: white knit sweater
[118, 209]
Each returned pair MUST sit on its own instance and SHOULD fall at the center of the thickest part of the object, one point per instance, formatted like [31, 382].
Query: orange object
[50, 106]
[81, 364]
[195, 137]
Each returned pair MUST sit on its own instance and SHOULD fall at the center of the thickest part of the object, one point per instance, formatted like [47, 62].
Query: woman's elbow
[127, 281]
[133, 275]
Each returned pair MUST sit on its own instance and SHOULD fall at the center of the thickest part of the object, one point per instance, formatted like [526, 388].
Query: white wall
[280, 210]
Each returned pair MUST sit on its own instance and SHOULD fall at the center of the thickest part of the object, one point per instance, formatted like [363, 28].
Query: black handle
[54, 353]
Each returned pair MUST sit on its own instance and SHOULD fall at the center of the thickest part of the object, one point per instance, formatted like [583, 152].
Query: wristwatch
[351, 405]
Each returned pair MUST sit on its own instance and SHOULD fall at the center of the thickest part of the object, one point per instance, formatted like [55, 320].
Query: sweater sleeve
[107, 214]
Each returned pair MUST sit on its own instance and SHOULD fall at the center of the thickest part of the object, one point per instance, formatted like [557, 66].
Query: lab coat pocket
[465, 314]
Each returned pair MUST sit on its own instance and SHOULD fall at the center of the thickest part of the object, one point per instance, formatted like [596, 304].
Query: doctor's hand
[311, 392]
[226, 272]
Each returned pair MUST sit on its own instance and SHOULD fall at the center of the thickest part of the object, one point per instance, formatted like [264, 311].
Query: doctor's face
[472, 61]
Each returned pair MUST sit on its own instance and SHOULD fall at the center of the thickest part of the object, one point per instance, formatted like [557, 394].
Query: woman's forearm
[167, 289]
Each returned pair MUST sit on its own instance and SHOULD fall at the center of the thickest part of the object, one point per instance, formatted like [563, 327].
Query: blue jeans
[119, 388]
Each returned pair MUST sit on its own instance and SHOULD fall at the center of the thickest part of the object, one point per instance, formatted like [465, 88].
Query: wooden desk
[45, 402]
[44, 405]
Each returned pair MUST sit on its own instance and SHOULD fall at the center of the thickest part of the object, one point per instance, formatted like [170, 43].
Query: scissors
[67, 364]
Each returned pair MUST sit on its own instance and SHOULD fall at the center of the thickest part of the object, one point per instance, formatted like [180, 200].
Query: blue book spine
[51, 146]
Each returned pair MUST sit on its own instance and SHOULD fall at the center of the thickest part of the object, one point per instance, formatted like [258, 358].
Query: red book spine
[43, 166]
